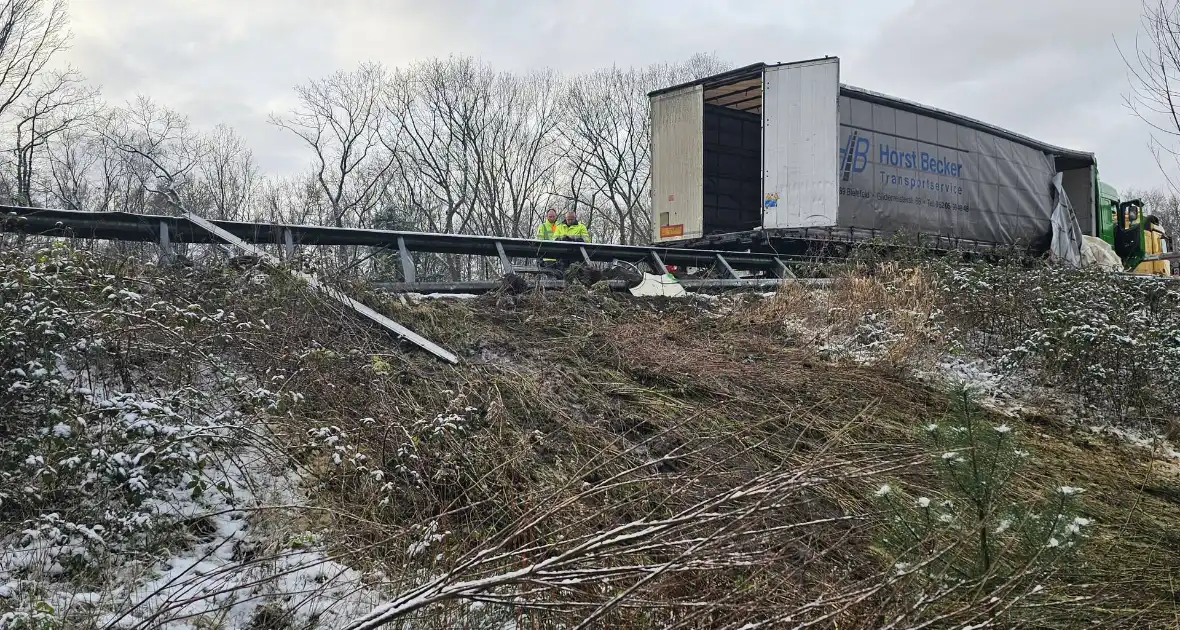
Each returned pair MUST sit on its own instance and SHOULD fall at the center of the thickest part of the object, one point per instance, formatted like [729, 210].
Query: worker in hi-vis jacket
[548, 226]
[572, 229]
[545, 232]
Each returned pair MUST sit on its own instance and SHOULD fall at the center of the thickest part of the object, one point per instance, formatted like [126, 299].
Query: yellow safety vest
[546, 232]
[577, 229]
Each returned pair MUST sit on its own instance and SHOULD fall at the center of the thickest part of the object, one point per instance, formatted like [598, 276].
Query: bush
[96, 479]
[1111, 339]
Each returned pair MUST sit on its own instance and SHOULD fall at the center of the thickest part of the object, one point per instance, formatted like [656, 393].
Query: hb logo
[854, 155]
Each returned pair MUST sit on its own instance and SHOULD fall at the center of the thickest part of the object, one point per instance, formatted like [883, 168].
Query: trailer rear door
[801, 144]
[677, 158]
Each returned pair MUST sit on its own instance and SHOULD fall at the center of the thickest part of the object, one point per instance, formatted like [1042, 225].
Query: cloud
[1048, 69]
[1045, 68]
[579, 35]
[219, 62]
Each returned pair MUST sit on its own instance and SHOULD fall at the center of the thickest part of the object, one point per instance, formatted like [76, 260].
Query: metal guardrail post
[165, 244]
[725, 266]
[288, 244]
[783, 271]
[504, 262]
[407, 261]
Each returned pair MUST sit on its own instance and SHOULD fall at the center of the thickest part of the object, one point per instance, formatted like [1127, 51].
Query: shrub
[977, 530]
[96, 479]
[1113, 340]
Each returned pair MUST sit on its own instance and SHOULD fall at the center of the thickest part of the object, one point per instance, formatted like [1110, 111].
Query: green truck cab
[1134, 237]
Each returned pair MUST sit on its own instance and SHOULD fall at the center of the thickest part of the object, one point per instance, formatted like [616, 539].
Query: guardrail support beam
[165, 241]
[383, 321]
[288, 244]
[782, 270]
[504, 262]
[658, 263]
[407, 261]
[725, 267]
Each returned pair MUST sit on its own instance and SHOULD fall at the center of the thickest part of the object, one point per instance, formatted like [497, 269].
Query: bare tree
[439, 112]
[82, 167]
[228, 175]
[160, 151]
[441, 109]
[31, 33]
[608, 140]
[62, 102]
[608, 143]
[450, 145]
[1155, 78]
[339, 118]
[521, 154]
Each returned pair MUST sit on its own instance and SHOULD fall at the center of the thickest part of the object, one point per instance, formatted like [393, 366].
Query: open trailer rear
[780, 154]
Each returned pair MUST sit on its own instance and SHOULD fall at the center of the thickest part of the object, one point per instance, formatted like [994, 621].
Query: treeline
[446, 145]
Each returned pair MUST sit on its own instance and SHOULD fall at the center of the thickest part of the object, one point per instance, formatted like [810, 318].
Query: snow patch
[418, 297]
[234, 552]
[218, 577]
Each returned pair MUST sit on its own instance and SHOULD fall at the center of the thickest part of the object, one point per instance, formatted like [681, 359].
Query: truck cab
[1139, 239]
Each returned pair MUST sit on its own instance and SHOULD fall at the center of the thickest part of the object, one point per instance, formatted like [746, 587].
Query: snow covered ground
[1010, 391]
[217, 543]
[244, 567]
[231, 551]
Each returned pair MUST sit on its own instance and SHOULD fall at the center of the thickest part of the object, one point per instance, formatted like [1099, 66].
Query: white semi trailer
[784, 157]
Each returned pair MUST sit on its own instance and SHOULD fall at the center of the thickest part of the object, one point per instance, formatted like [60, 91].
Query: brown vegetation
[590, 410]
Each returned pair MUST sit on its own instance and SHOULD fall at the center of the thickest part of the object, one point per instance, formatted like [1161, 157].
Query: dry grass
[574, 390]
[571, 393]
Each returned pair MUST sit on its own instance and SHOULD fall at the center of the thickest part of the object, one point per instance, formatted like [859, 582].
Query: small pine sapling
[978, 527]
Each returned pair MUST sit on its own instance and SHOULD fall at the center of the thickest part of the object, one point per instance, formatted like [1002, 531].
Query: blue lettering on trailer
[855, 158]
[920, 183]
[921, 161]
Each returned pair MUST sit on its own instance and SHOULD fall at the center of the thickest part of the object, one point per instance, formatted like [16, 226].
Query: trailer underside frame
[829, 243]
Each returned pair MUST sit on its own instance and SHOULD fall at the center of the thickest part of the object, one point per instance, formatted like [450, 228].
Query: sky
[1048, 69]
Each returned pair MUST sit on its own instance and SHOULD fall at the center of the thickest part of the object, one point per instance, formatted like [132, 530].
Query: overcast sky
[1045, 68]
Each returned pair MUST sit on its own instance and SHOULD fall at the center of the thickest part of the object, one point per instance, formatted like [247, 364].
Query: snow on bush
[1110, 339]
[420, 450]
[136, 466]
[1095, 344]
